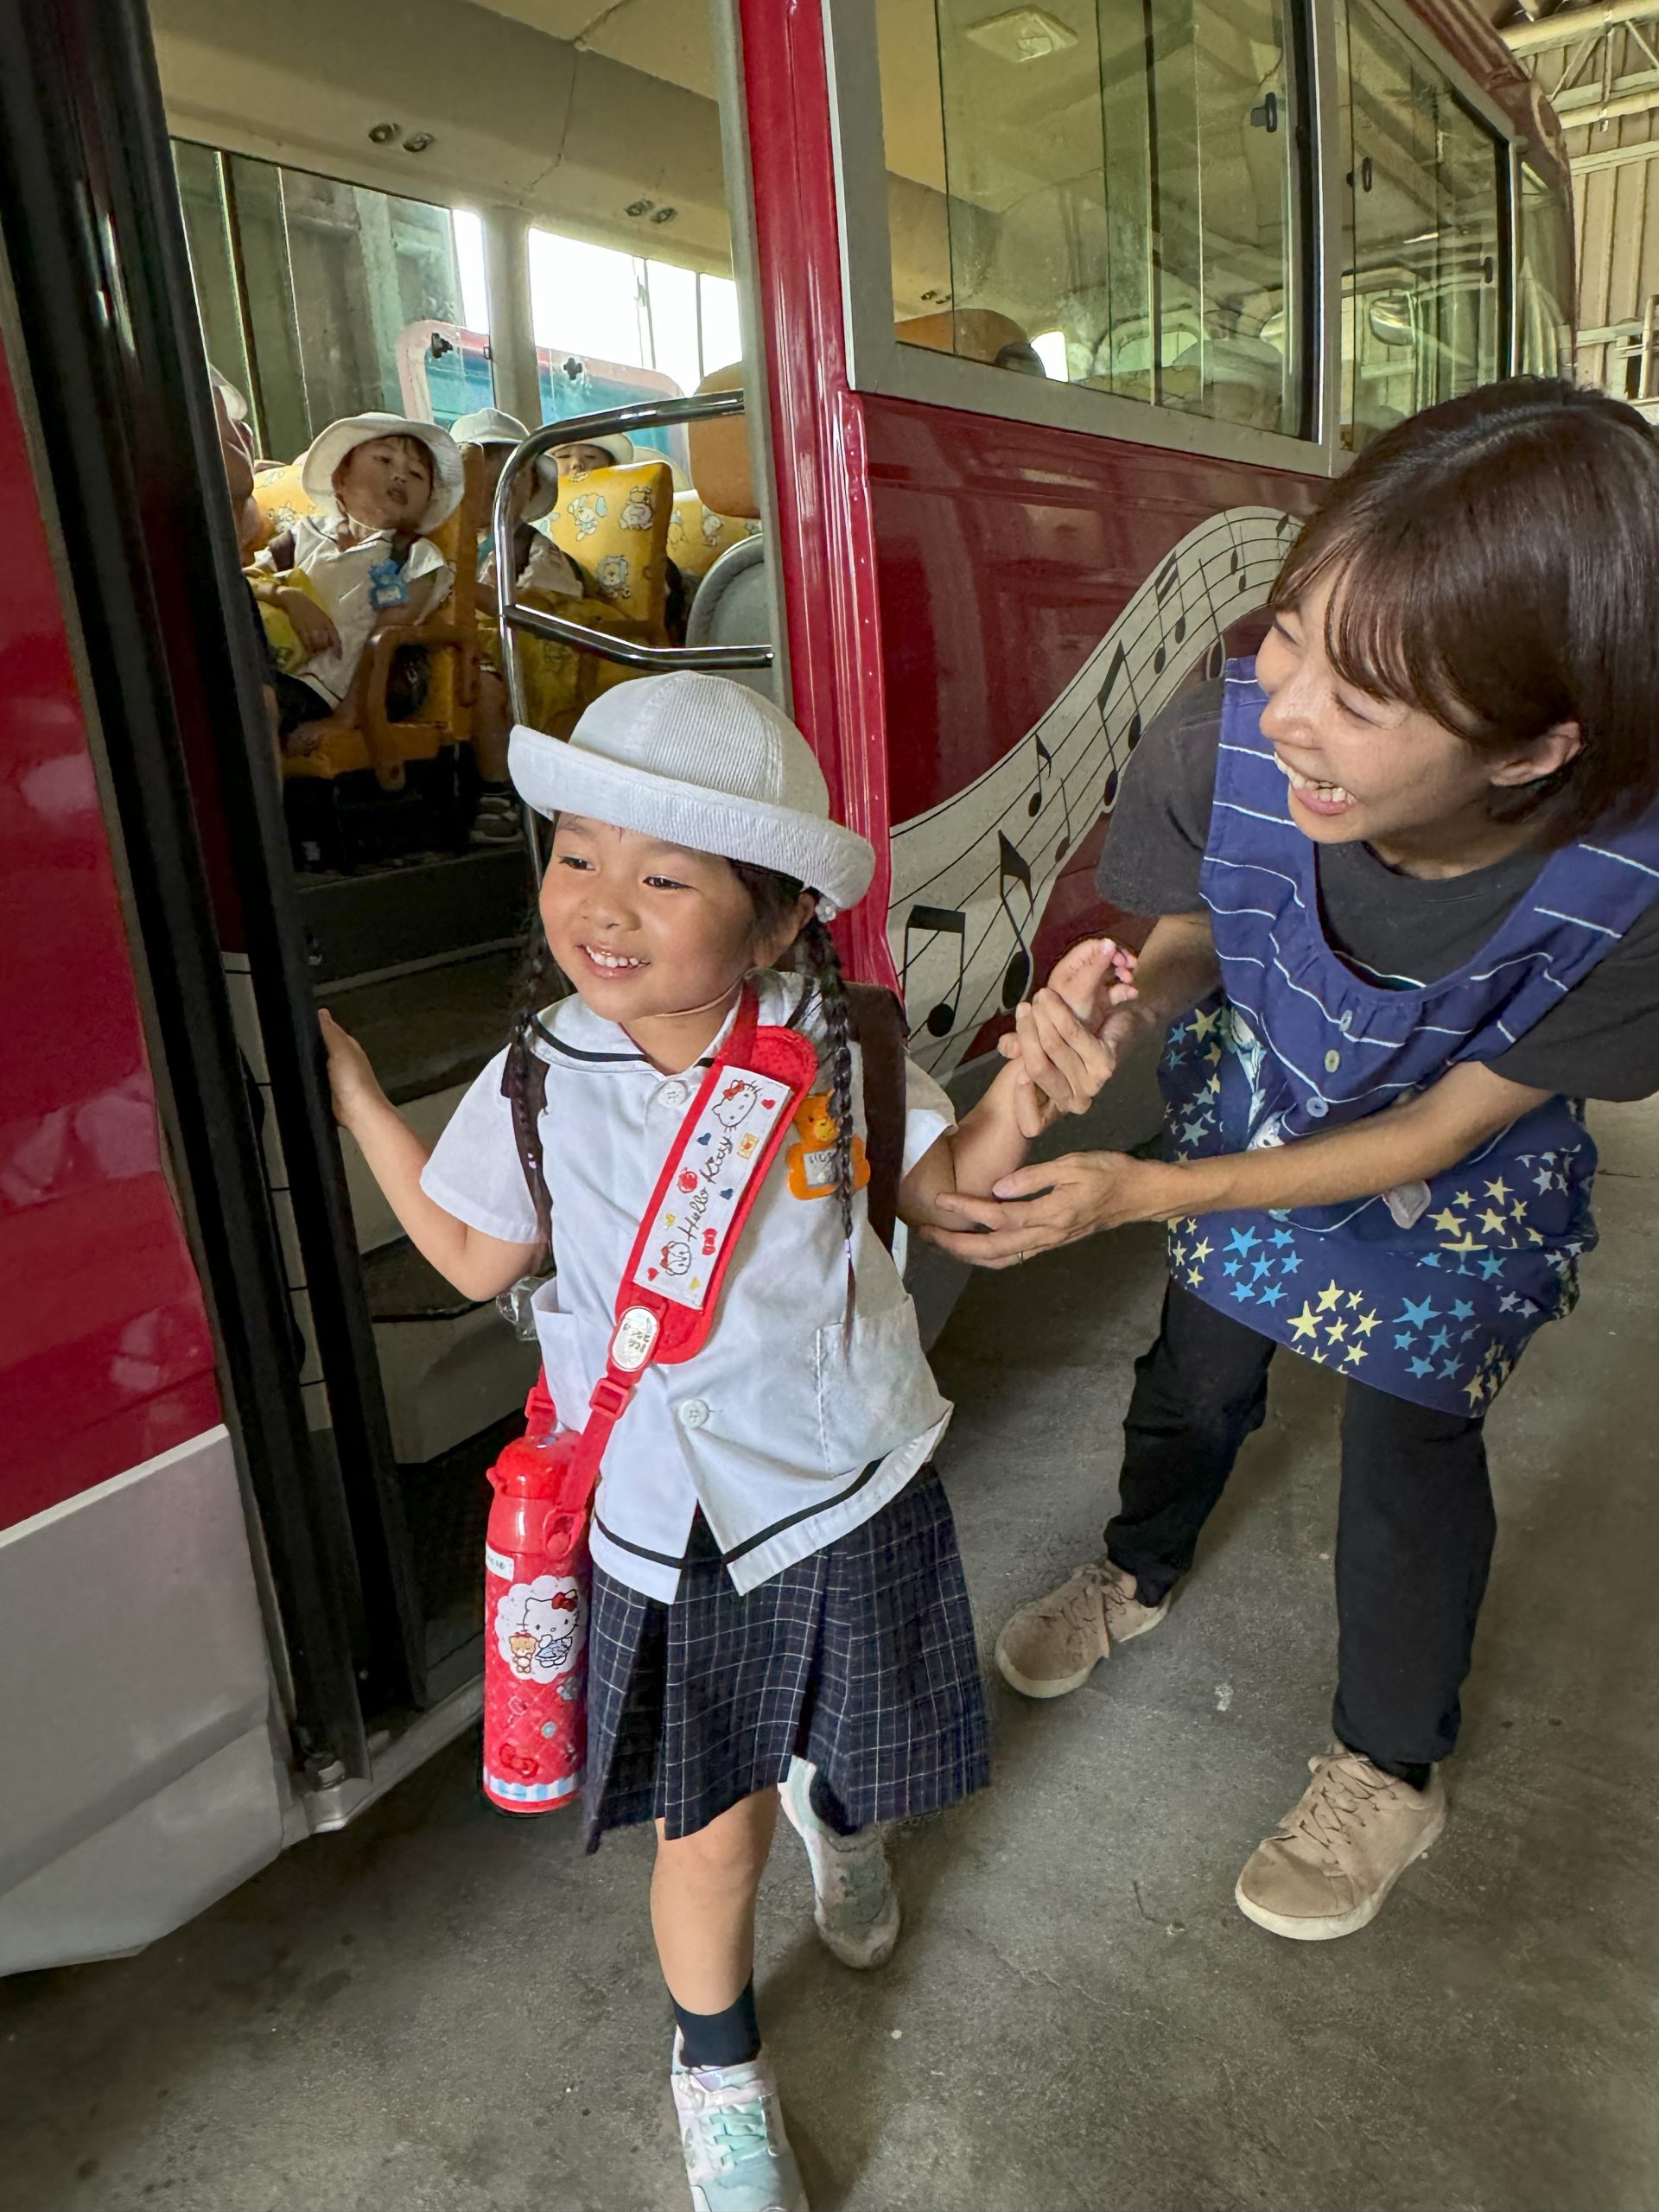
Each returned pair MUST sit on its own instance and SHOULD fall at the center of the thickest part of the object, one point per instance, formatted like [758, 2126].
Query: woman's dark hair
[1497, 560]
[541, 982]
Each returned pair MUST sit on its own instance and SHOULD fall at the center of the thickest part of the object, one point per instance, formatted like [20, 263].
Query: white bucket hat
[488, 426]
[330, 447]
[703, 762]
[619, 445]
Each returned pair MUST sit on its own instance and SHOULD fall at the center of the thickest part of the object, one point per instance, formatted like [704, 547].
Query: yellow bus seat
[697, 536]
[615, 523]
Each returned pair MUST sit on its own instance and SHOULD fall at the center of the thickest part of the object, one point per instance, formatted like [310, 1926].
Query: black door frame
[94, 246]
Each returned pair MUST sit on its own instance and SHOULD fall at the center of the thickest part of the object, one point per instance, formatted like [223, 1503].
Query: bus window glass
[1422, 300]
[1544, 310]
[1106, 190]
[312, 288]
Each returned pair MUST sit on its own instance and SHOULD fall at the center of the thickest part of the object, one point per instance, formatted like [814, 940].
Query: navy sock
[828, 1807]
[727, 2038]
[1413, 1771]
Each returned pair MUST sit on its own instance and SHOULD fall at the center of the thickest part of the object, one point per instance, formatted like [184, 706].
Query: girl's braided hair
[541, 982]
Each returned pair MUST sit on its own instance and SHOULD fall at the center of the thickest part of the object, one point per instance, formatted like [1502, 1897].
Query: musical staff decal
[971, 876]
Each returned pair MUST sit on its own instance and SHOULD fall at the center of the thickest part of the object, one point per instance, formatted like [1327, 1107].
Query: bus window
[1422, 297]
[1109, 193]
[1544, 310]
[310, 284]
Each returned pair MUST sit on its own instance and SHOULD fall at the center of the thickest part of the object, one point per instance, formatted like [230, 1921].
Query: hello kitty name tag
[700, 1199]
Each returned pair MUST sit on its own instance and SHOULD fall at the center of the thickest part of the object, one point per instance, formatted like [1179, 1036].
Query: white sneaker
[737, 2156]
[854, 1904]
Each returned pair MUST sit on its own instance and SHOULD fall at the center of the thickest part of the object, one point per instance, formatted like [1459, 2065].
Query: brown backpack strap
[879, 1025]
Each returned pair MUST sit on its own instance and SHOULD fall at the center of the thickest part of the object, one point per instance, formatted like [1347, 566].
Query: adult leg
[1413, 1545]
[1199, 1393]
[1413, 1548]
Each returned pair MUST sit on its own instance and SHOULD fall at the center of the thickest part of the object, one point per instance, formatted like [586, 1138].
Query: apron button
[1332, 1061]
[693, 1413]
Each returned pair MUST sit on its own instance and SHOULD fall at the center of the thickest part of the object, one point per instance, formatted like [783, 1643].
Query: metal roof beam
[1569, 23]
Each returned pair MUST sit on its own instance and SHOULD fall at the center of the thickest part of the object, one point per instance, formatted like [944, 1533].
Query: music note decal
[972, 876]
[935, 926]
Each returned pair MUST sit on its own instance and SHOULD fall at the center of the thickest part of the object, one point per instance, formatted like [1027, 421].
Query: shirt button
[1332, 1061]
[671, 1094]
[693, 1413]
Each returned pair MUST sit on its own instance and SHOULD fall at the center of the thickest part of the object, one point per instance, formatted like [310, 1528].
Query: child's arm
[479, 1266]
[1055, 1057]
[1038, 1207]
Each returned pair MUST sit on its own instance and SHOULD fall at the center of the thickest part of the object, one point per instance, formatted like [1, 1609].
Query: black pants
[1415, 1529]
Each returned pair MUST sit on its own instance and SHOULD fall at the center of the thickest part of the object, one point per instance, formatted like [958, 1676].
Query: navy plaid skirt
[861, 1659]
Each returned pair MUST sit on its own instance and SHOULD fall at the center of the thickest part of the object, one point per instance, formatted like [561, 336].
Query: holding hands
[1067, 1038]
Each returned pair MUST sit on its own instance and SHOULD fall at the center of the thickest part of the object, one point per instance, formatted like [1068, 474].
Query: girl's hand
[312, 625]
[351, 1079]
[1068, 1039]
[1055, 1203]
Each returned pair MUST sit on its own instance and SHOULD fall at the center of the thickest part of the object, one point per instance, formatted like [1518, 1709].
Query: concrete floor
[439, 2011]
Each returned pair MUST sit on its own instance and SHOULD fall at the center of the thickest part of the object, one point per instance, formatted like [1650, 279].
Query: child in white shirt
[778, 1602]
[378, 483]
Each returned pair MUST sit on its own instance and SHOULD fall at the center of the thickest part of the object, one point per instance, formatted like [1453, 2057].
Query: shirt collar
[587, 1039]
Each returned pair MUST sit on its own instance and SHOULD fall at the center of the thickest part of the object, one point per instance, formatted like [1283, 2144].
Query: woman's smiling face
[1378, 770]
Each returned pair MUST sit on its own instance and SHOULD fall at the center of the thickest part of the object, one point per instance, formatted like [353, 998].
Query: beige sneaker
[1054, 1644]
[1327, 1867]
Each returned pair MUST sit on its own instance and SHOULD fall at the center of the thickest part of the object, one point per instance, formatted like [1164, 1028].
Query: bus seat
[719, 453]
[697, 536]
[281, 499]
[733, 606]
[973, 334]
[615, 523]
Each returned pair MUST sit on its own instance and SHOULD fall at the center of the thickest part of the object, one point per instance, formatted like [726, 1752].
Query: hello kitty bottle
[535, 1620]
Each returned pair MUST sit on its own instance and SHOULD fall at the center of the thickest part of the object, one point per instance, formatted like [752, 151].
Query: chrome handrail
[644, 415]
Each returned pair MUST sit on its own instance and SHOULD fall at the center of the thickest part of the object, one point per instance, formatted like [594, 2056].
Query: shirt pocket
[567, 1358]
[875, 1389]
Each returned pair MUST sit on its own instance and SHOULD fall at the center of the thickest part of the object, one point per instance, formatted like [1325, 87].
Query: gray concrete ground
[439, 2011]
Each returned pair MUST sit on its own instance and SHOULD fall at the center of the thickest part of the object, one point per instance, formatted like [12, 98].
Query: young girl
[378, 483]
[777, 1596]
[1409, 868]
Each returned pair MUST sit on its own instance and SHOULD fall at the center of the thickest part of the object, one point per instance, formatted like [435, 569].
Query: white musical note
[988, 856]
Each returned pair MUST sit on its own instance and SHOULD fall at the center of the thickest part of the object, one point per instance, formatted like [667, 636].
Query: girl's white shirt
[357, 583]
[788, 1428]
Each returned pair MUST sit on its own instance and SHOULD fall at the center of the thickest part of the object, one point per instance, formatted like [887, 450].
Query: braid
[824, 968]
[524, 1082]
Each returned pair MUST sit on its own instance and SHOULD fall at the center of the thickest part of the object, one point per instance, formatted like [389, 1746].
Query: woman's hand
[312, 624]
[351, 1083]
[1054, 1203]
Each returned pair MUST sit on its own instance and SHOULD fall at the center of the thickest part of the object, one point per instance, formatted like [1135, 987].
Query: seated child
[363, 562]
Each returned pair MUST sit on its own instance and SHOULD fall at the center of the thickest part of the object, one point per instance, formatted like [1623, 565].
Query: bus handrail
[576, 430]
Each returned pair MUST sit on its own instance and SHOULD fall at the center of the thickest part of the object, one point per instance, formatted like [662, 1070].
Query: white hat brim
[330, 447]
[556, 775]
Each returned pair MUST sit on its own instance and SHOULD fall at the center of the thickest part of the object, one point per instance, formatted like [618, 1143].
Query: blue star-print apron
[1433, 1292]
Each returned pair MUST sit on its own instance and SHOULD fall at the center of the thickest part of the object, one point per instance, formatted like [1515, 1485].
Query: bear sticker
[813, 1158]
[613, 573]
[538, 1627]
[637, 514]
[585, 510]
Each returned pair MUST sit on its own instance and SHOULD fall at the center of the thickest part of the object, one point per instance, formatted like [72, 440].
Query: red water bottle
[536, 1584]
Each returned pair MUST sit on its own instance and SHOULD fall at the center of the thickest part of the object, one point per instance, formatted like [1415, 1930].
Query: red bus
[1047, 325]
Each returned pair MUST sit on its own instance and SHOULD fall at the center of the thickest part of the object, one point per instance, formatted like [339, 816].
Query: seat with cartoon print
[615, 523]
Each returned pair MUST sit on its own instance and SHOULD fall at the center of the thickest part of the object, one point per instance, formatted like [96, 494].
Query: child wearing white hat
[777, 1601]
[377, 484]
[545, 575]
